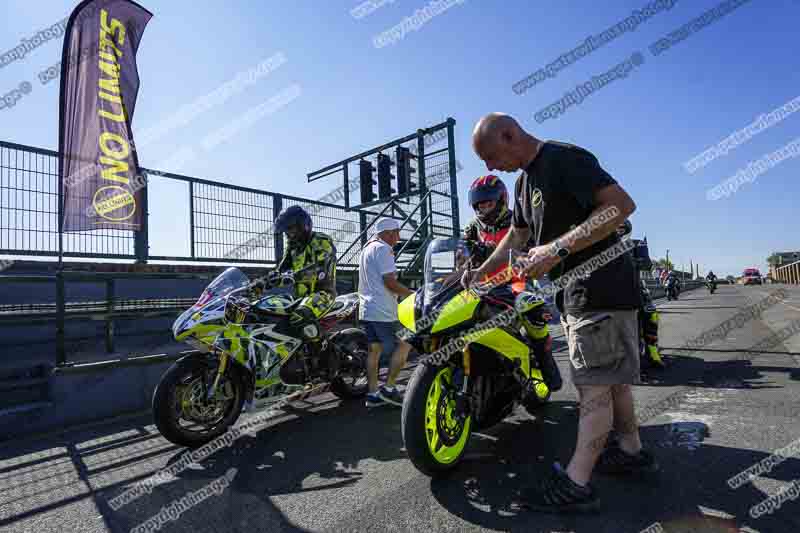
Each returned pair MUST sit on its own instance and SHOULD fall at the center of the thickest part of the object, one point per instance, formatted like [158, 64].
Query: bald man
[571, 208]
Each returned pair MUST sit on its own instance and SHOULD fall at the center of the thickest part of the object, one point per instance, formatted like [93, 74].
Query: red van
[751, 276]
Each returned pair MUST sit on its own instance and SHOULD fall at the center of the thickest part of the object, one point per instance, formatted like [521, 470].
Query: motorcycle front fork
[223, 365]
[463, 407]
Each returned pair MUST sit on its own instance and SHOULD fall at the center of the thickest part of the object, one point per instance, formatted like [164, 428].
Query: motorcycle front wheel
[180, 409]
[434, 436]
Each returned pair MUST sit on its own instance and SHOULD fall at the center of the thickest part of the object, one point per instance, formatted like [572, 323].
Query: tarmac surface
[327, 465]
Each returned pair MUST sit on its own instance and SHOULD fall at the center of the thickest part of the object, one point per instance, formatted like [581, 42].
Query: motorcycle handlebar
[275, 277]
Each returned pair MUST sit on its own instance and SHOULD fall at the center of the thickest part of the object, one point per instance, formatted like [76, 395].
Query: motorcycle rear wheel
[434, 437]
[351, 383]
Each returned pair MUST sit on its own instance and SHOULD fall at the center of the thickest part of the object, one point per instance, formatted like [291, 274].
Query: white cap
[386, 224]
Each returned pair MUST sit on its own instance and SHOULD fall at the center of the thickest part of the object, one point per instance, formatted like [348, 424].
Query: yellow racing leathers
[316, 285]
[483, 239]
[648, 323]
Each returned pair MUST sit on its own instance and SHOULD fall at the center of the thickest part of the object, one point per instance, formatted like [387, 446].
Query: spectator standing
[378, 290]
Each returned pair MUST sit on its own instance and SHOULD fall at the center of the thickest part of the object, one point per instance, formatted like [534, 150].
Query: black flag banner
[99, 173]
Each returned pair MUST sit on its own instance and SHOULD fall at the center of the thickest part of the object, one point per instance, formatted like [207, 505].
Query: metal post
[451, 152]
[109, 319]
[277, 238]
[346, 180]
[423, 186]
[362, 224]
[141, 247]
[61, 358]
[60, 214]
[191, 218]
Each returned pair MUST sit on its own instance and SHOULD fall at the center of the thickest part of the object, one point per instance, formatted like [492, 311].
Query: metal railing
[108, 310]
[788, 273]
[210, 221]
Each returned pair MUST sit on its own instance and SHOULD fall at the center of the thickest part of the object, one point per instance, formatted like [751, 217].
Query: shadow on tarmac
[325, 444]
[481, 491]
[699, 373]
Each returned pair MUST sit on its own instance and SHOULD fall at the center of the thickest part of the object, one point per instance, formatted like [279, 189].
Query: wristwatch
[560, 251]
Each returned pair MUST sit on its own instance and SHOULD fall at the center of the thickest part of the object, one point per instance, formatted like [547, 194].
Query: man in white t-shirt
[378, 289]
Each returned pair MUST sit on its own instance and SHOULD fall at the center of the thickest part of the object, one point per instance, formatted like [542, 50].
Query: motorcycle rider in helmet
[317, 285]
[648, 314]
[488, 197]
[672, 277]
[711, 280]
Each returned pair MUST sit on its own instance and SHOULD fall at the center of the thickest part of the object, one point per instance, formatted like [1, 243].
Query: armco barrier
[658, 291]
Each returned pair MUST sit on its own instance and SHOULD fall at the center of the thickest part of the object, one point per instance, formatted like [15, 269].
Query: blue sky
[462, 63]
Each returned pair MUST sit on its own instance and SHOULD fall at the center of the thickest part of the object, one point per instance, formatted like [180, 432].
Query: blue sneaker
[374, 400]
[391, 395]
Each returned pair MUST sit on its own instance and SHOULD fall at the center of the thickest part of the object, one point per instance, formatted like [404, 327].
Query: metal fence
[788, 273]
[204, 220]
[428, 210]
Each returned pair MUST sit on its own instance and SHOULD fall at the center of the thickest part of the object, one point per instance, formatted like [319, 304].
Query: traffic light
[385, 176]
[365, 170]
[404, 170]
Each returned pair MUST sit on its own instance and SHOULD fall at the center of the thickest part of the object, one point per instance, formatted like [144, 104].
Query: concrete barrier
[84, 397]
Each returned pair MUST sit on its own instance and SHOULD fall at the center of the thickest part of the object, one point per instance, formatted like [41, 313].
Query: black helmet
[624, 229]
[295, 215]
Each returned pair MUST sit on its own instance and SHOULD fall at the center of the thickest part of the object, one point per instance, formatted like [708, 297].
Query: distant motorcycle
[672, 289]
[712, 286]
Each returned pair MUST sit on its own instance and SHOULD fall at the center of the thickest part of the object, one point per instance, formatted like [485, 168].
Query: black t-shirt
[556, 194]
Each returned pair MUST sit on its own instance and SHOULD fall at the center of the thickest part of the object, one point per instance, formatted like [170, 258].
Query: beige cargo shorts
[603, 347]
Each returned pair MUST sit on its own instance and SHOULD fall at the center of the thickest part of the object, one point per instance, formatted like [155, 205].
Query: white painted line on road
[485, 436]
[708, 511]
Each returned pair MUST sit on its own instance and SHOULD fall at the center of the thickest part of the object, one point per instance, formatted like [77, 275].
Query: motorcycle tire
[354, 342]
[434, 441]
[166, 417]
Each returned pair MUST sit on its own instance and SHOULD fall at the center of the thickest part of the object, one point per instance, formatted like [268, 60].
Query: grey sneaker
[374, 400]
[391, 395]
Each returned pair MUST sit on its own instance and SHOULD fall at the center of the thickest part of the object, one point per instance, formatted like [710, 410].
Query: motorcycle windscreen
[225, 283]
[231, 279]
[445, 262]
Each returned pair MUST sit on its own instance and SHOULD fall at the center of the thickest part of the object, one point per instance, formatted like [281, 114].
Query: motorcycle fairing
[342, 307]
[506, 344]
[405, 313]
[275, 304]
[459, 309]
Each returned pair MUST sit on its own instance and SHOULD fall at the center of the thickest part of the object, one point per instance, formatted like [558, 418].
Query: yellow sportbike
[250, 357]
[477, 358]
